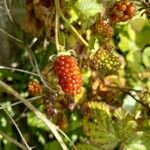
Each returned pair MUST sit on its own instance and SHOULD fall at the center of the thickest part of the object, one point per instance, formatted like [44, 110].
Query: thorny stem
[13, 121]
[10, 139]
[74, 30]
[49, 124]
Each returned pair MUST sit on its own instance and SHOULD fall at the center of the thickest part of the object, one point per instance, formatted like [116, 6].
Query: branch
[8, 11]
[18, 70]
[35, 65]
[74, 30]
[10, 36]
[57, 24]
[13, 121]
[30, 99]
[10, 139]
[49, 124]
[137, 100]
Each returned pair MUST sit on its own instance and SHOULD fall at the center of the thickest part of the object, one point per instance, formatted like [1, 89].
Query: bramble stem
[49, 124]
[10, 139]
[57, 24]
[20, 133]
[74, 30]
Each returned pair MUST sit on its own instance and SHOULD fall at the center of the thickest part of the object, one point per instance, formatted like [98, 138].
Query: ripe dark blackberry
[68, 74]
[121, 11]
[107, 62]
[34, 88]
[103, 30]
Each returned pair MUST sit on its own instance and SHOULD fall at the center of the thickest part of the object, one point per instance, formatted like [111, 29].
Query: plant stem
[57, 25]
[74, 30]
[18, 70]
[8, 11]
[9, 35]
[49, 124]
[30, 99]
[13, 121]
[10, 139]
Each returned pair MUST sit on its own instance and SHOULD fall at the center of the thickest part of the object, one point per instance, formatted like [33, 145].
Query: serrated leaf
[120, 113]
[125, 128]
[99, 129]
[139, 141]
[88, 8]
[107, 133]
[146, 57]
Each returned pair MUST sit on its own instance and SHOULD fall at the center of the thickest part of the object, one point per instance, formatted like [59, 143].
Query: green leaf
[33, 121]
[82, 146]
[99, 129]
[134, 61]
[139, 141]
[88, 8]
[106, 132]
[140, 21]
[142, 38]
[146, 57]
[53, 146]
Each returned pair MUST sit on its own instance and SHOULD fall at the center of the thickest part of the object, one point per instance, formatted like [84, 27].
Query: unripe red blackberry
[103, 30]
[107, 62]
[34, 88]
[121, 11]
[68, 74]
[49, 111]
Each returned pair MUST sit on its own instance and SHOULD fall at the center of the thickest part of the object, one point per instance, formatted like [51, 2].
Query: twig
[74, 30]
[137, 100]
[49, 124]
[10, 139]
[127, 91]
[18, 70]
[13, 121]
[75, 148]
[57, 24]
[8, 11]
[30, 99]
[9, 35]
[38, 71]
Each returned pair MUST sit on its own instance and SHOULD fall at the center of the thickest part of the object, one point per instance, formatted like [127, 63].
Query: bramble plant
[75, 75]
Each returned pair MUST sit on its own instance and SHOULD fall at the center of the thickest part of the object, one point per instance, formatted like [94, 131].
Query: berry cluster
[107, 62]
[34, 88]
[68, 74]
[121, 11]
[102, 28]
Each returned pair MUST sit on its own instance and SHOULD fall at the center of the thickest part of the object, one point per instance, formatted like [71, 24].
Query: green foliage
[139, 141]
[110, 113]
[34, 122]
[87, 147]
[104, 131]
[146, 57]
[88, 8]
